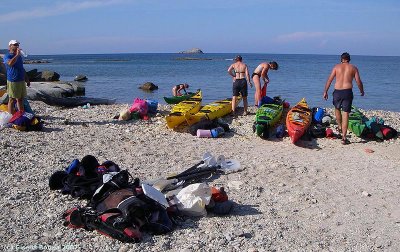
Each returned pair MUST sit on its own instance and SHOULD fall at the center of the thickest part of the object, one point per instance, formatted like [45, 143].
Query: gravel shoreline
[318, 196]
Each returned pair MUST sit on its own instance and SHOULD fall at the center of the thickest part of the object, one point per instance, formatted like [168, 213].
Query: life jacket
[110, 223]
[117, 207]
[122, 195]
[81, 178]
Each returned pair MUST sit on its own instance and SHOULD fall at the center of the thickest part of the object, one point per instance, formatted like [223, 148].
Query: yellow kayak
[182, 109]
[212, 111]
[3, 107]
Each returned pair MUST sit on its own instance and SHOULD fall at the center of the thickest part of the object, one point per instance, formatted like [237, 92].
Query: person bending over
[176, 90]
[261, 73]
[343, 93]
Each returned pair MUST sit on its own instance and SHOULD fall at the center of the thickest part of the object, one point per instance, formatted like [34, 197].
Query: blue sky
[362, 27]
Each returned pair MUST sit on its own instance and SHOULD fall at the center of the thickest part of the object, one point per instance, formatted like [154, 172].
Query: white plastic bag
[4, 118]
[193, 199]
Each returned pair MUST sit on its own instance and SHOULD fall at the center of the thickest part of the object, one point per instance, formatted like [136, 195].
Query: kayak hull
[298, 120]
[212, 111]
[266, 117]
[181, 110]
[178, 99]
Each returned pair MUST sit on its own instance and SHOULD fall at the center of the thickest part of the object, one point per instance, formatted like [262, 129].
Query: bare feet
[345, 141]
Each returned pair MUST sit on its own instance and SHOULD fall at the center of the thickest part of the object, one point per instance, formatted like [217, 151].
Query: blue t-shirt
[16, 72]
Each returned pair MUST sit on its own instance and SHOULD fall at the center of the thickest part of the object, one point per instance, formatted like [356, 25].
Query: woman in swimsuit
[240, 73]
[176, 90]
[261, 72]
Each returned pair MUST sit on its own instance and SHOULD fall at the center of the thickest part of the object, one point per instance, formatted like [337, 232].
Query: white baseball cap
[13, 42]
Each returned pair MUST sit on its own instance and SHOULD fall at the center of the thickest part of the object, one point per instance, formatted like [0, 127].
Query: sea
[118, 76]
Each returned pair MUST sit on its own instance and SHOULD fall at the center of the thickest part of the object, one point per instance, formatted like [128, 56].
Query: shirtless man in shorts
[240, 72]
[343, 93]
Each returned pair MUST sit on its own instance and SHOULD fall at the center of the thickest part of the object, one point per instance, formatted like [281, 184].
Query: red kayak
[298, 120]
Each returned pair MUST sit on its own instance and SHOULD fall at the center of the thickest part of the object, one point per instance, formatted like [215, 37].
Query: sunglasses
[15, 44]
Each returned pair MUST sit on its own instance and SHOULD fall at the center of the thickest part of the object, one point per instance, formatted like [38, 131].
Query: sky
[361, 27]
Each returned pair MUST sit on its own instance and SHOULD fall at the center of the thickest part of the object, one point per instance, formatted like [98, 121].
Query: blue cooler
[152, 106]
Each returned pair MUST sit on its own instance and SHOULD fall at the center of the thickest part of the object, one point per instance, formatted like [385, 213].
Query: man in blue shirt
[16, 76]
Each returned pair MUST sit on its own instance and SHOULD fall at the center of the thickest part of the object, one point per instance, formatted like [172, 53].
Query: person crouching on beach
[16, 77]
[176, 90]
[343, 93]
[240, 72]
[261, 73]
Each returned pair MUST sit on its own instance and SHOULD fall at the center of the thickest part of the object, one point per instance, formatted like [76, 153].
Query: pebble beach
[318, 195]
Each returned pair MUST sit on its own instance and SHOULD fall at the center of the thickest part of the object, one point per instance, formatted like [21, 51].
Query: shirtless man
[261, 73]
[343, 93]
[240, 72]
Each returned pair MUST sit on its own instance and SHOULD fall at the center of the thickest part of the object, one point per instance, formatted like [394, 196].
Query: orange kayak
[298, 120]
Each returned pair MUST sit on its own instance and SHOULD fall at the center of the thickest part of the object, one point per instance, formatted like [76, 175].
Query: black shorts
[254, 74]
[343, 99]
[240, 87]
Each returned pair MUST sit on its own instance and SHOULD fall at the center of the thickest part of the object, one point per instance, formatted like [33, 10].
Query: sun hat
[13, 42]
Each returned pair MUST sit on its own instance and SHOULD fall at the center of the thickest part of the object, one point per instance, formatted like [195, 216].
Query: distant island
[188, 58]
[193, 51]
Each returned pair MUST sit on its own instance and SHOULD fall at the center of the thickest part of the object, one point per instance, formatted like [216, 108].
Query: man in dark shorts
[343, 93]
[240, 72]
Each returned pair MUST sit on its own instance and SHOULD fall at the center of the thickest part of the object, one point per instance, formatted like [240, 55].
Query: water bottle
[203, 133]
[22, 53]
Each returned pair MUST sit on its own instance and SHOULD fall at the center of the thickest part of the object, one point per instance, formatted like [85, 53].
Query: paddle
[205, 167]
[161, 183]
[212, 165]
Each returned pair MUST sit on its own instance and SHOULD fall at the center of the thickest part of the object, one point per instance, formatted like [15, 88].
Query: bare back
[345, 73]
[240, 70]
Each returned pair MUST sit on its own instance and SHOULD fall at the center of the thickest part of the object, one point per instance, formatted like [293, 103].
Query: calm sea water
[119, 75]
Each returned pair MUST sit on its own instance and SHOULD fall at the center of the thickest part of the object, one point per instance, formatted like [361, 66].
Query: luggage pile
[123, 207]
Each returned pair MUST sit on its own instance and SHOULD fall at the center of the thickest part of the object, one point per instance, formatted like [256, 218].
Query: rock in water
[80, 78]
[149, 86]
[193, 51]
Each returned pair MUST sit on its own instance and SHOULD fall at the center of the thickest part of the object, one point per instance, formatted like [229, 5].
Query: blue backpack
[318, 114]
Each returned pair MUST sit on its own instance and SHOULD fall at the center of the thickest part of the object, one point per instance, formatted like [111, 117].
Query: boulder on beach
[3, 76]
[51, 89]
[3, 79]
[193, 51]
[46, 75]
[149, 86]
[50, 76]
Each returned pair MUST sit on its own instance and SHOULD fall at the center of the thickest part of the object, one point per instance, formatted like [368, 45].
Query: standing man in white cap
[16, 77]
